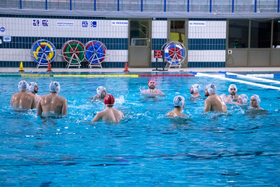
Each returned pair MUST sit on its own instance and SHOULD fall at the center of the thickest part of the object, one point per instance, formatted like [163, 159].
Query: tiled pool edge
[139, 70]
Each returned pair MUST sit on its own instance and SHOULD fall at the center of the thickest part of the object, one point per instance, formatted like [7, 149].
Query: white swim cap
[256, 97]
[54, 87]
[100, 89]
[179, 101]
[211, 88]
[22, 85]
[196, 88]
[32, 85]
[244, 98]
[232, 86]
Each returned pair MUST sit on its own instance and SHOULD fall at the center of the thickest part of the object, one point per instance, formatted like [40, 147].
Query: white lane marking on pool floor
[235, 80]
[254, 78]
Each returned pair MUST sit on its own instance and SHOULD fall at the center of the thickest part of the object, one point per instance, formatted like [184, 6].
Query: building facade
[215, 33]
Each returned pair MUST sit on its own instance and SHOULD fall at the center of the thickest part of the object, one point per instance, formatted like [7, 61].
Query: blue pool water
[146, 148]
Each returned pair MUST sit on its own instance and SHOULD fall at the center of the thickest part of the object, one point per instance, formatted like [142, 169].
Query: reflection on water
[146, 147]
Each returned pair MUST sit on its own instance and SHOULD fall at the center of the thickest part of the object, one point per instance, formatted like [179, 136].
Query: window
[199, 6]
[238, 33]
[260, 34]
[276, 34]
[139, 32]
[244, 5]
[222, 6]
[176, 5]
[177, 31]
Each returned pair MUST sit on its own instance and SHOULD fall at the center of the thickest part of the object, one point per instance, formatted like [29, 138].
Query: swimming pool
[146, 148]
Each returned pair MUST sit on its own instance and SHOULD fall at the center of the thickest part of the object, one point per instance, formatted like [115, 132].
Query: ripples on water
[146, 148]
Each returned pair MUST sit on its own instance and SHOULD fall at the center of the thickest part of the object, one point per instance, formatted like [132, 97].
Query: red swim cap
[109, 100]
[152, 80]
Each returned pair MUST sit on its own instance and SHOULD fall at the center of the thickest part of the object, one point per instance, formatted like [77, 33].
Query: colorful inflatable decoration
[174, 53]
[95, 53]
[43, 52]
[73, 53]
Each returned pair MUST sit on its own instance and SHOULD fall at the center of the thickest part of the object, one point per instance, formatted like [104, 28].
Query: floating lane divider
[92, 76]
[187, 75]
[253, 78]
[25, 75]
[89, 76]
[36, 75]
[236, 80]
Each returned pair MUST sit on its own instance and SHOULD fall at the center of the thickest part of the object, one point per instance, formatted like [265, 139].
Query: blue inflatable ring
[95, 52]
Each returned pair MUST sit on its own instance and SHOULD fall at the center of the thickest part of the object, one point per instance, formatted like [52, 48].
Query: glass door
[139, 52]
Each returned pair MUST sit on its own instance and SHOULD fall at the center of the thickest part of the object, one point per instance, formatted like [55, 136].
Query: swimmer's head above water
[33, 87]
[152, 84]
[232, 89]
[54, 87]
[179, 101]
[195, 88]
[22, 86]
[210, 89]
[109, 100]
[101, 91]
[242, 99]
[255, 100]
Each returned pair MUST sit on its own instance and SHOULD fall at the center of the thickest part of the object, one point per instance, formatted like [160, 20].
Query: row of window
[149, 5]
[254, 33]
[242, 33]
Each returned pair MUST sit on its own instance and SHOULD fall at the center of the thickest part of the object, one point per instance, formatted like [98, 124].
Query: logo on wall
[93, 24]
[84, 23]
[36, 22]
[45, 22]
[2, 29]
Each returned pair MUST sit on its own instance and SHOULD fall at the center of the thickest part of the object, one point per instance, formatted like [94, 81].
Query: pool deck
[139, 70]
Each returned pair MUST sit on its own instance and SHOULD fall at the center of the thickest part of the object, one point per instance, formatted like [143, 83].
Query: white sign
[120, 23]
[7, 38]
[0, 41]
[197, 23]
[64, 24]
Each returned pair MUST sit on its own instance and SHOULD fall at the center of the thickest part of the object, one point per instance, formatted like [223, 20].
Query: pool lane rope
[95, 53]
[237, 80]
[73, 53]
[92, 76]
[43, 52]
[174, 53]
